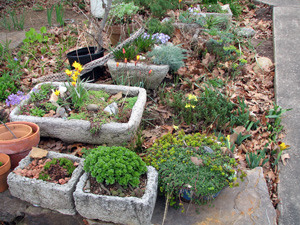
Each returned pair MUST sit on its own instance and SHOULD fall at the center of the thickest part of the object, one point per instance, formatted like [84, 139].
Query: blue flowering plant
[15, 99]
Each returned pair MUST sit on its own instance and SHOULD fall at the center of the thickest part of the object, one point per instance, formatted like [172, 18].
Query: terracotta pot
[119, 33]
[4, 171]
[17, 149]
[19, 130]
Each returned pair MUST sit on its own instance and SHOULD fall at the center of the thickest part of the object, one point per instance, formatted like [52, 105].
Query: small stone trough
[138, 74]
[124, 210]
[79, 130]
[45, 194]
[224, 18]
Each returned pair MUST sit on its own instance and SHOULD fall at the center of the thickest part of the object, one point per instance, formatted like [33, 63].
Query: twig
[9, 130]
[104, 188]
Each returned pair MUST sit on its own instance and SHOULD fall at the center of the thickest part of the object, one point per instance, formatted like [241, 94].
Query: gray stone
[246, 32]
[112, 109]
[262, 64]
[10, 207]
[79, 130]
[207, 149]
[126, 210]
[137, 75]
[249, 203]
[14, 38]
[61, 112]
[47, 195]
[92, 107]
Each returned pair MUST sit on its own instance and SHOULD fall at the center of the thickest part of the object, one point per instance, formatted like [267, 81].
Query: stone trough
[45, 194]
[124, 210]
[79, 130]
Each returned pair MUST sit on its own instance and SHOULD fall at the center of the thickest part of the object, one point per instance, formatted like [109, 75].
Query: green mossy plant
[112, 165]
[193, 162]
[63, 162]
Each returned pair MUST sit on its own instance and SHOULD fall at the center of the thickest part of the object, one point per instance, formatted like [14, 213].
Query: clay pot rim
[17, 124]
[32, 125]
[6, 163]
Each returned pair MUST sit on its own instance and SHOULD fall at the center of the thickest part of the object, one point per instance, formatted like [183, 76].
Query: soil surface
[117, 190]
[57, 173]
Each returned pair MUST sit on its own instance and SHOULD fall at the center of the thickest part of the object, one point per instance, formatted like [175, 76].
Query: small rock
[262, 64]
[112, 108]
[208, 149]
[61, 112]
[92, 107]
[38, 153]
[246, 32]
[165, 20]
[171, 14]
[62, 181]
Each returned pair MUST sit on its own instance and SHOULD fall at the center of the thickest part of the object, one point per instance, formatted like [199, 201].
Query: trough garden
[210, 117]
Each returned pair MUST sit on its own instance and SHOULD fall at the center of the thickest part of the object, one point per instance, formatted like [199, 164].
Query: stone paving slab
[287, 54]
[15, 38]
[247, 204]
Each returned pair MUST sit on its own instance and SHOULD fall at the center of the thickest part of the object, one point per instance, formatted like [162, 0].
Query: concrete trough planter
[79, 130]
[127, 210]
[192, 27]
[134, 75]
[45, 194]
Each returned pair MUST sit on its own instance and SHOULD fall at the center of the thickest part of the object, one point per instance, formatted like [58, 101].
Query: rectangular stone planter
[79, 130]
[134, 75]
[127, 210]
[45, 194]
[192, 27]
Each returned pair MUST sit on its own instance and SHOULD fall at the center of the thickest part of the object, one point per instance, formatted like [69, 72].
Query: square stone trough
[135, 74]
[45, 194]
[124, 210]
[79, 130]
[192, 27]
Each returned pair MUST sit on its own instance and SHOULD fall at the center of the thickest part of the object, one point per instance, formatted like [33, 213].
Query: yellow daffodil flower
[228, 138]
[192, 97]
[175, 127]
[68, 72]
[188, 105]
[76, 73]
[74, 78]
[74, 83]
[79, 68]
[193, 106]
[283, 146]
[76, 65]
[56, 92]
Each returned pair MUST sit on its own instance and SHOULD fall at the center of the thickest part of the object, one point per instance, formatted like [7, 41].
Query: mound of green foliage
[115, 165]
[192, 162]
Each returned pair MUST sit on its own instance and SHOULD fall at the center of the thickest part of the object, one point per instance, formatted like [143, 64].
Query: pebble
[246, 32]
[112, 108]
[92, 107]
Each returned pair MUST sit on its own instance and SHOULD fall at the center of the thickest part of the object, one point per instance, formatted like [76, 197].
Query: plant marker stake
[9, 130]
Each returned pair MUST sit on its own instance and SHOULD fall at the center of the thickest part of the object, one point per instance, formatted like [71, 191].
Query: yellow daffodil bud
[68, 72]
[138, 57]
[56, 92]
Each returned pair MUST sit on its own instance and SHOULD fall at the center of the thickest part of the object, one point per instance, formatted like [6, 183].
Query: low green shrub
[192, 162]
[211, 108]
[114, 165]
[172, 55]
[155, 26]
